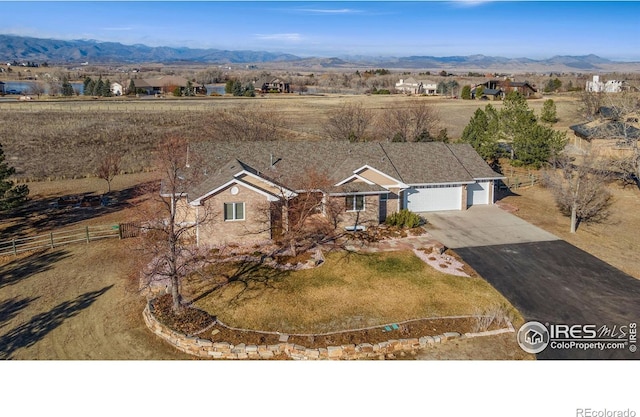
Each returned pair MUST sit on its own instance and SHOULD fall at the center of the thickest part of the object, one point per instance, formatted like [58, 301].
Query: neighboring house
[116, 89]
[248, 185]
[597, 86]
[610, 125]
[413, 86]
[165, 85]
[272, 85]
[497, 89]
[489, 93]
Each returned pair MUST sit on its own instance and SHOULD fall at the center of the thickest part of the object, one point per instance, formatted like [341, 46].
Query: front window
[233, 211]
[354, 203]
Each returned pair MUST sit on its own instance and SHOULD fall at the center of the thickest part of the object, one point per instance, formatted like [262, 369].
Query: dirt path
[75, 303]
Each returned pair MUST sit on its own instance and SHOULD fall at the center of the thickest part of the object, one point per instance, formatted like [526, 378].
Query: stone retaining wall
[221, 350]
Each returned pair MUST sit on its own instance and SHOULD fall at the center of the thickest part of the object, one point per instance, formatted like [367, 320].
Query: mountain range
[54, 51]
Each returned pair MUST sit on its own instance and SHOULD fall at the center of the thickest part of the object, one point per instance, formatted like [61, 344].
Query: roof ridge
[390, 161]
[458, 159]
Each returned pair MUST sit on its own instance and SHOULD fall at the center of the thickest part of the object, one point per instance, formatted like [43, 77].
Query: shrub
[404, 218]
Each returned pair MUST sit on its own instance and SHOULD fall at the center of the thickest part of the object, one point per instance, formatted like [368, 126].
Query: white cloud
[118, 29]
[283, 37]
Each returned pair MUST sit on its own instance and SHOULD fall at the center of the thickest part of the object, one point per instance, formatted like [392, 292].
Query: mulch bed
[192, 321]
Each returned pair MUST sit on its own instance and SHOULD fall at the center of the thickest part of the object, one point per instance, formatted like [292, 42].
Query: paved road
[546, 279]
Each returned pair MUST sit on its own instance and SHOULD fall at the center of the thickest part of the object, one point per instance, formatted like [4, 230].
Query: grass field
[66, 139]
[348, 291]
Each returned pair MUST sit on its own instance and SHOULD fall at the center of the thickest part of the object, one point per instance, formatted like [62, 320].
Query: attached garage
[433, 197]
[478, 193]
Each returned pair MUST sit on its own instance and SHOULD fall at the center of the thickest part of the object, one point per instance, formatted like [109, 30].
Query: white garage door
[478, 193]
[433, 198]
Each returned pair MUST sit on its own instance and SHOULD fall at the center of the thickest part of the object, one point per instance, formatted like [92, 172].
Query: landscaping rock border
[222, 350]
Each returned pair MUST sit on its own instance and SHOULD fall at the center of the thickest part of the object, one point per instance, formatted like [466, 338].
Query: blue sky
[330, 28]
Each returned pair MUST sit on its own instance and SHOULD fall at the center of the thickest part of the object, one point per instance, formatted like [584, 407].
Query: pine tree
[466, 92]
[98, 86]
[67, 88]
[87, 86]
[482, 133]
[10, 196]
[549, 113]
[106, 89]
[132, 87]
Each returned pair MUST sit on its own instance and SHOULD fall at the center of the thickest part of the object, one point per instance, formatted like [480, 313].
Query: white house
[597, 86]
[413, 86]
[117, 89]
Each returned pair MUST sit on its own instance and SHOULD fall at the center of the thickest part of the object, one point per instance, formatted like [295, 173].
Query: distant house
[610, 124]
[249, 187]
[272, 85]
[413, 86]
[504, 87]
[165, 85]
[116, 89]
[611, 86]
[488, 93]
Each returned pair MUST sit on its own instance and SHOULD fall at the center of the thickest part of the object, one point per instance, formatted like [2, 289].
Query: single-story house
[413, 86]
[248, 186]
[490, 93]
[165, 84]
[272, 85]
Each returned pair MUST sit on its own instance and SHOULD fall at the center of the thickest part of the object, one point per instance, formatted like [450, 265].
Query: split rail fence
[52, 240]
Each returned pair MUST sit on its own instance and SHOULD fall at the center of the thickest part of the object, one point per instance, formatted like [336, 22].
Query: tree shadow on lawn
[11, 307]
[46, 214]
[22, 268]
[253, 277]
[28, 334]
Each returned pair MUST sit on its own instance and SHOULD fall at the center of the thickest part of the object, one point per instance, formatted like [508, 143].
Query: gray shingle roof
[290, 163]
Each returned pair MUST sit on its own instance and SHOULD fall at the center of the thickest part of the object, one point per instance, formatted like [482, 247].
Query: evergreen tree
[249, 91]
[98, 86]
[86, 89]
[237, 88]
[67, 88]
[482, 133]
[10, 196]
[106, 89]
[228, 87]
[132, 87]
[549, 113]
[466, 92]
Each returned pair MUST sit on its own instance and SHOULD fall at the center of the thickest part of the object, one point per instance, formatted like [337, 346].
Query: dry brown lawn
[66, 139]
[348, 291]
[615, 240]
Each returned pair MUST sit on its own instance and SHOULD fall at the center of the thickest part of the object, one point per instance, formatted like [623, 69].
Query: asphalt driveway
[545, 278]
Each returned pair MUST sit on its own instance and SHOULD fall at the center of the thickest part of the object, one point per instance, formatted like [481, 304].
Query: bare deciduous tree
[579, 188]
[248, 124]
[108, 168]
[350, 122]
[416, 122]
[170, 226]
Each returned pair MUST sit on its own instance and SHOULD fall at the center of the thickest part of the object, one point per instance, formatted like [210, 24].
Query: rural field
[81, 301]
[67, 139]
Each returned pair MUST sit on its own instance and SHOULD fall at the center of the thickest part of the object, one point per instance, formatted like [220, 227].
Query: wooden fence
[52, 240]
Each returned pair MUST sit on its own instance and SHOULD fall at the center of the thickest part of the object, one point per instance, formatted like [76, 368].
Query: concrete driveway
[547, 279]
[482, 226]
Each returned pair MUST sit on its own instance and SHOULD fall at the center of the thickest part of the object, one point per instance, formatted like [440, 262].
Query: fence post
[51, 238]
[13, 243]
[120, 231]
[87, 232]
